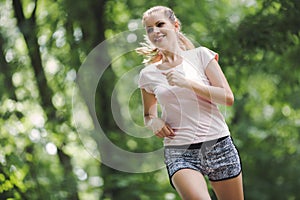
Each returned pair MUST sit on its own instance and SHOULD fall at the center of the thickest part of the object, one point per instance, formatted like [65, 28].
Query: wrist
[149, 121]
[155, 124]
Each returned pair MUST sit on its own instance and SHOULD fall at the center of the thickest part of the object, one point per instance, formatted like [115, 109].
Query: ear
[177, 26]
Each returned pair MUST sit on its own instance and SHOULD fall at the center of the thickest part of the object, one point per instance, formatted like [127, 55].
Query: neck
[171, 56]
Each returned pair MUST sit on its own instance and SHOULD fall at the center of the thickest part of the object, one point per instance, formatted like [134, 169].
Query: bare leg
[190, 185]
[231, 189]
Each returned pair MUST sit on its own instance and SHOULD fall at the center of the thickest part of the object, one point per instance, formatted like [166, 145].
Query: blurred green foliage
[44, 43]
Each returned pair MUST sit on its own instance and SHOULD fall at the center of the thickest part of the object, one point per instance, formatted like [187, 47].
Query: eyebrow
[159, 21]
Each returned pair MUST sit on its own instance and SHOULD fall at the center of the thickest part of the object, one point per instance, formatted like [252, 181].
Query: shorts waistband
[197, 145]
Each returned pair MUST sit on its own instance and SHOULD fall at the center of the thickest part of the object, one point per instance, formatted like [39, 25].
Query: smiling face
[161, 31]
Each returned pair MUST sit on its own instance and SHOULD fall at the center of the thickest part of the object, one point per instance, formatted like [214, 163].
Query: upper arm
[217, 78]
[149, 103]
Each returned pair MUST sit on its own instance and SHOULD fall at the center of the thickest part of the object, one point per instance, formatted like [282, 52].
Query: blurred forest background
[43, 43]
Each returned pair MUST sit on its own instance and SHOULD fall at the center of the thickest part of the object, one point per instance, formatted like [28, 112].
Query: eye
[160, 24]
[150, 30]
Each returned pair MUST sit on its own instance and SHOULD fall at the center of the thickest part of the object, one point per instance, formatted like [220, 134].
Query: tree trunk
[7, 72]
[29, 29]
[93, 28]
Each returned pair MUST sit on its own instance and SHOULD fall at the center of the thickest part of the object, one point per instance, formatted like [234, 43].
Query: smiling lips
[158, 38]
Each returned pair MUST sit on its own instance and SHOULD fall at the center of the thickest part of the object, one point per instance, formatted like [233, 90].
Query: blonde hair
[148, 50]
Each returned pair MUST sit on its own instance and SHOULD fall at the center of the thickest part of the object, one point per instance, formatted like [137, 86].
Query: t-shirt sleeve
[144, 82]
[206, 55]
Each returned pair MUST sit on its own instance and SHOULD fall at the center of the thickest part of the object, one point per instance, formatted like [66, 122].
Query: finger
[169, 78]
[167, 132]
[171, 130]
[171, 133]
[159, 134]
[171, 83]
[170, 73]
[167, 74]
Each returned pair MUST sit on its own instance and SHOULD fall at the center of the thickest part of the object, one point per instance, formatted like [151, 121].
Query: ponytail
[184, 42]
[151, 54]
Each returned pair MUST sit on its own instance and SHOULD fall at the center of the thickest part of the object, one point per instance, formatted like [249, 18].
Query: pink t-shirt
[193, 118]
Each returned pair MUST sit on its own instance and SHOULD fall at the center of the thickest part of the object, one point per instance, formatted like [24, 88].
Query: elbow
[229, 99]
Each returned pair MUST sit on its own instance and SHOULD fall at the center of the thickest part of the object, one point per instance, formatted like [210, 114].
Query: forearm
[214, 94]
[151, 121]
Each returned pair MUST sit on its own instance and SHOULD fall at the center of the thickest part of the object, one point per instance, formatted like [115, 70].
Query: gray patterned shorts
[216, 159]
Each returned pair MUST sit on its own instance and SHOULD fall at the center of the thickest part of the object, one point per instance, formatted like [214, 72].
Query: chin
[161, 45]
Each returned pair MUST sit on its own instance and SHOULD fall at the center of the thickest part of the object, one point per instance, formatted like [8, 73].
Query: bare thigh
[190, 184]
[231, 189]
